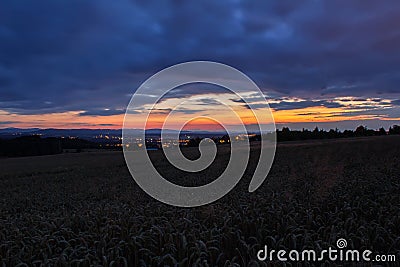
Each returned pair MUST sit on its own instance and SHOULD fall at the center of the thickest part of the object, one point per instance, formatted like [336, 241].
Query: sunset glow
[349, 110]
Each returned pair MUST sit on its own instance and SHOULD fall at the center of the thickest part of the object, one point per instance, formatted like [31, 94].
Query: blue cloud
[103, 112]
[58, 56]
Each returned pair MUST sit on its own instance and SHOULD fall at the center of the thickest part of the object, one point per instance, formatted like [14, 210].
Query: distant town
[16, 142]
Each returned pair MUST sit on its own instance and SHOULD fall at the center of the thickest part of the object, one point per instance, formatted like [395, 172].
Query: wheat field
[84, 209]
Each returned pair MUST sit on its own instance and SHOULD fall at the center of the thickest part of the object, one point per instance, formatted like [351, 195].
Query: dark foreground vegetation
[35, 145]
[84, 209]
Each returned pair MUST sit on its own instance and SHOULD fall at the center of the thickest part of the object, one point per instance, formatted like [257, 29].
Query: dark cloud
[198, 88]
[160, 111]
[106, 124]
[58, 56]
[237, 100]
[104, 112]
[166, 111]
[8, 122]
[285, 105]
[208, 102]
[396, 102]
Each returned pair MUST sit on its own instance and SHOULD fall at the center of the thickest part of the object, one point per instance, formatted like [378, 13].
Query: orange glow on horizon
[318, 114]
[72, 119]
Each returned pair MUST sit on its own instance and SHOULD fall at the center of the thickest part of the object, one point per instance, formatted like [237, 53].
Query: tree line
[297, 135]
[34, 145]
[289, 135]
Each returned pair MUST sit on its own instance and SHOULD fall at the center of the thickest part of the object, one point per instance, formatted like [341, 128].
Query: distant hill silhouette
[81, 133]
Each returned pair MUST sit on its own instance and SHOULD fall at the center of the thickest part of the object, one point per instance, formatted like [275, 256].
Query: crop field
[84, 209]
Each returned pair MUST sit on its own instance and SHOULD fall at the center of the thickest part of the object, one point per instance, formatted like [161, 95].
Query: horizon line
[189, 130]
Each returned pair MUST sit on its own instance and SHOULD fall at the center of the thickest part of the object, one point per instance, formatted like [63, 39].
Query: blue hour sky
[75, 64]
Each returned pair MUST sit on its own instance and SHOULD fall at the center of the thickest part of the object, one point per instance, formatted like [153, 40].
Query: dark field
[85, 209]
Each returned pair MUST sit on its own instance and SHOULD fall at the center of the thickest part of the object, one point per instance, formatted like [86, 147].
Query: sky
[76, 64]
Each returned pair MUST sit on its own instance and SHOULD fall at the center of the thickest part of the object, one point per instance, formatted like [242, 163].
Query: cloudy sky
[76, 64]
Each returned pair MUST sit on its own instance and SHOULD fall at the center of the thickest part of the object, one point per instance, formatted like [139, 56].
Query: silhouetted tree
[285, 130]
[382, 131]
[360, 131]
[394, 130]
